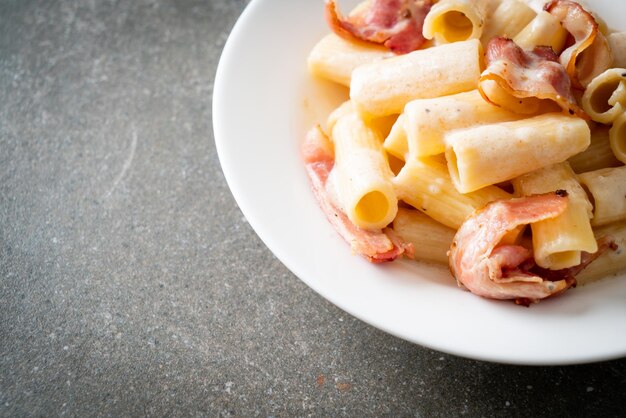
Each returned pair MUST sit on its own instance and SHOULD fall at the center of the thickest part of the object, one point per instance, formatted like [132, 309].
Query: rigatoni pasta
[362, 176]
[427, 120]
[334, 58]
[617, 42]
[426, 185]
[430, 238]
[511, 149]
[385, 87]
[605, 97]
[543, 30]
[607, 187]
[455, 20]
[617, 138]
[396, 142]
[559, 242]
[598, 155]
[508, 19]
[609, 262]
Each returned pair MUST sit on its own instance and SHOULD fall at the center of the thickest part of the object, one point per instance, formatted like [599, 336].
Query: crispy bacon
[526, 75]
[589, 53]
[377, 246]
[396, 24]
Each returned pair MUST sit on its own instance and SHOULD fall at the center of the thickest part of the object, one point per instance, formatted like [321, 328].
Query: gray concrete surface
[131, 284]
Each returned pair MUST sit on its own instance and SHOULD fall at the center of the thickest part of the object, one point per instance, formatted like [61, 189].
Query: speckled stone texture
[131, 284]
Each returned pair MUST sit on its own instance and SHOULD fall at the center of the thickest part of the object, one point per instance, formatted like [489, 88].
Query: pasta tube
[427, 120]
[617, 43]
[489, 154]
[455, 20]
[558, 242]
[426, 185]
[430, 239]
[605, 97]
[383, 125]
[334, 58]
[536, 5]
[607, 187]
[396, 142]
[383, 88]
[617, 138]
[598, 155]
[346, 108]
[361, 175]
[611, 261]
[508, 19]
[543, 30]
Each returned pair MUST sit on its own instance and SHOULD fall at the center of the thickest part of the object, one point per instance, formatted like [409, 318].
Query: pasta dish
[488, 135]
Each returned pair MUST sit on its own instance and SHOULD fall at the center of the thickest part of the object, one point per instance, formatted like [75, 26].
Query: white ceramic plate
[263, 103]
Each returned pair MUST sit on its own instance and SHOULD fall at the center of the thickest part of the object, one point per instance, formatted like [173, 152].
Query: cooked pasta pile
[486, 134]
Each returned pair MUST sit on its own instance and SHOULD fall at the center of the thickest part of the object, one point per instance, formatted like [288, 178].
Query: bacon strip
[527, 74]
[396, 24]
[583, 28]
[498, 272]
[503, 271]
[376, 246]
